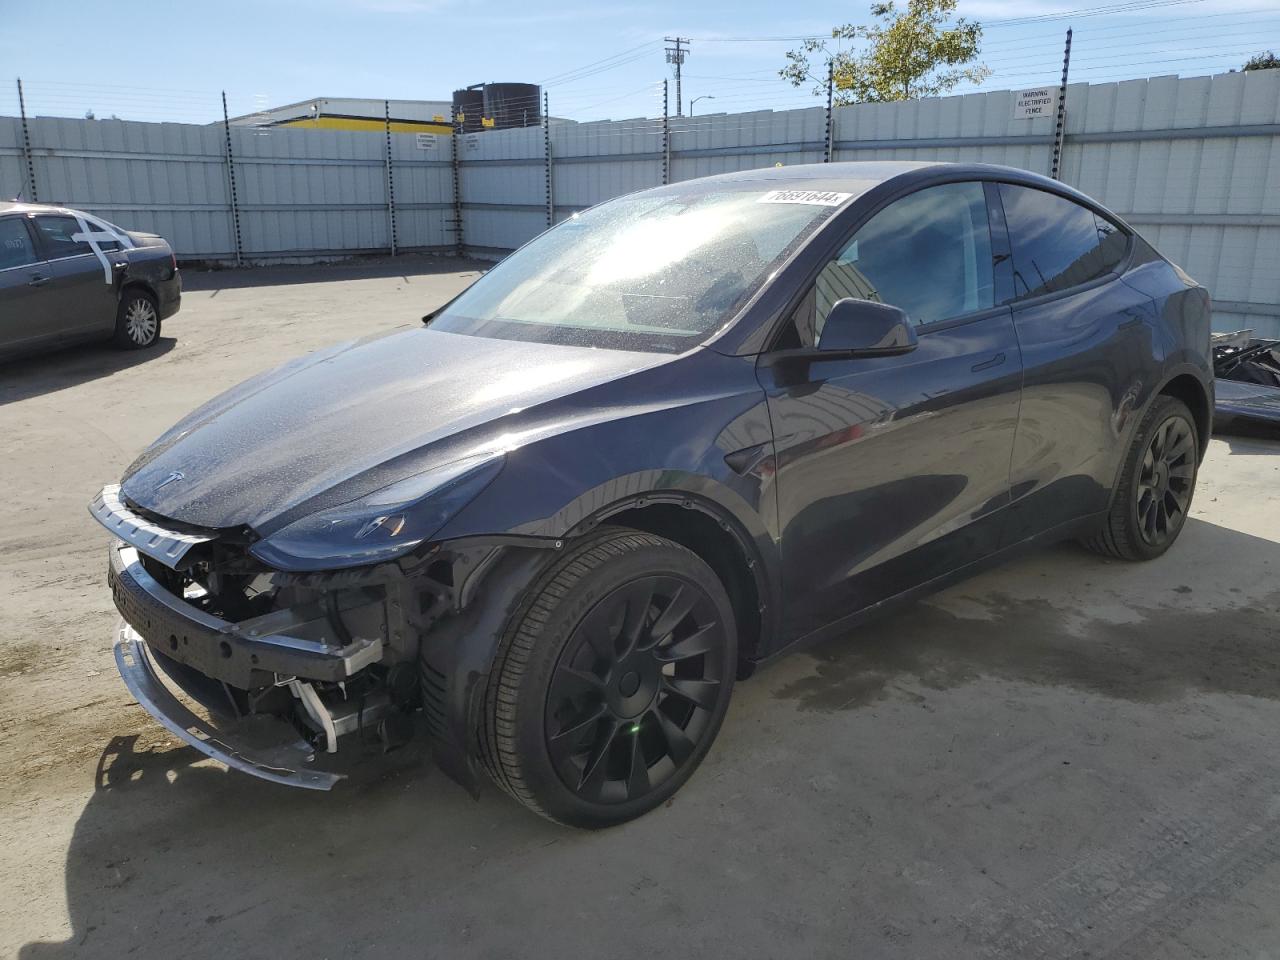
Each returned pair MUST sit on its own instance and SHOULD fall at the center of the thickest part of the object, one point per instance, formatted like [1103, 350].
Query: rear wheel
[1151, 505]
[137, 320]
[612, 682]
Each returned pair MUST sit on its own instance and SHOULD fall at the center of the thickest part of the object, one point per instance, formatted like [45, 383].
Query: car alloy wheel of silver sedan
[140, 321]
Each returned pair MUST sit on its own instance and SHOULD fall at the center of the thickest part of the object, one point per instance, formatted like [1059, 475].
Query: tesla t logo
[171, 478]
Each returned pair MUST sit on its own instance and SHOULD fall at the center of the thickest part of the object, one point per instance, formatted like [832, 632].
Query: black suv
[67, 276]
[668, 440]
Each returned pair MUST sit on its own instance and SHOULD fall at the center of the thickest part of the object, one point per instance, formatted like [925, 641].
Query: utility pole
[676, 55]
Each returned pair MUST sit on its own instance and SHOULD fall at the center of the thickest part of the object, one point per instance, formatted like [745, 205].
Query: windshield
[652, 271]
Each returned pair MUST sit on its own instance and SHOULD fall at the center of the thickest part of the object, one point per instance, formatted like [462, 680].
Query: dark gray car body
[51, 298]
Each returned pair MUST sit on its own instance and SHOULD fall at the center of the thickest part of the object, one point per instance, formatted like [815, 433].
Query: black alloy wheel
[612, 680]
[635, 690]
[1152, 499]
[1165, 481]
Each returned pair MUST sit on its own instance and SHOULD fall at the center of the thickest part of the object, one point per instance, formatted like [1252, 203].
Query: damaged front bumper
[234, 653]
[259, 745]
[272, 684]
[371, 655]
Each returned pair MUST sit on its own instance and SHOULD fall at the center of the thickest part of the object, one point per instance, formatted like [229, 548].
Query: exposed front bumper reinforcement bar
[263, 747]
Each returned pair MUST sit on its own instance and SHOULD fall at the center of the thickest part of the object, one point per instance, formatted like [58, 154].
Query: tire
[137, 320]
[1151, 503]
[612, 681]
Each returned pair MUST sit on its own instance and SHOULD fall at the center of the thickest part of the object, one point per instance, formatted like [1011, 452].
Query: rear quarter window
[59, 234]
[1056, 243]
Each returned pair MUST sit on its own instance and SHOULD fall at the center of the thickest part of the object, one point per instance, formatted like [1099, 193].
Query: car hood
[337, 424]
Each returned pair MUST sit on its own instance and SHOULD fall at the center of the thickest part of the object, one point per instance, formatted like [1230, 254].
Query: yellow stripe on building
[361, 123]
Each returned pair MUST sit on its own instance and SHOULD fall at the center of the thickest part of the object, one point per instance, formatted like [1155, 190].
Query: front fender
[713, 451]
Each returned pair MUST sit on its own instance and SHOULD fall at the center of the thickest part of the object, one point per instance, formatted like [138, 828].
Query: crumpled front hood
[351, 419]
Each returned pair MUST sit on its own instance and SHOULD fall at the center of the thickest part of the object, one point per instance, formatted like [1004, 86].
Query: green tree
[1262, 61]
[906, 55]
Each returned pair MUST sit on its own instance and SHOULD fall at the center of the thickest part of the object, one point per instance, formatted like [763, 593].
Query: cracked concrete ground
[1063, 757]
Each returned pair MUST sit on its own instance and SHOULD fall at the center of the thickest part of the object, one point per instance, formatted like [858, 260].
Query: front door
[23, 278]
[892, 471]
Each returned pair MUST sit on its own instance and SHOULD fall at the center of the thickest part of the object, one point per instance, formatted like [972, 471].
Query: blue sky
[150, 60]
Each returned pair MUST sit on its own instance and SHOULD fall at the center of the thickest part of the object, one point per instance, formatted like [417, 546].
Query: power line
[1112, 9]
[605, 63]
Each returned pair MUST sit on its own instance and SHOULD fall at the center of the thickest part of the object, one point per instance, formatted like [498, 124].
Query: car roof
[18, 206]
[850, 170]
[860, 175]
[857, 177]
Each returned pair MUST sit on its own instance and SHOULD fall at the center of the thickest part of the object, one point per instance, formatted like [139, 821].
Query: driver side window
[928, 253]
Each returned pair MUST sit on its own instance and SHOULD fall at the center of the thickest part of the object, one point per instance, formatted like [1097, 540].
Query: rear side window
[1057, 244]
[59, 233]
[15, 244]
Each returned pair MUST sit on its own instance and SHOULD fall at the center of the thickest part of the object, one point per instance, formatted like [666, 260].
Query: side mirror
[863, 328]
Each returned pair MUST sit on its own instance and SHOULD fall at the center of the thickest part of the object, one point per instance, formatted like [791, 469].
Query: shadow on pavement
[50, 372]
[1168, 652]
[175, 857]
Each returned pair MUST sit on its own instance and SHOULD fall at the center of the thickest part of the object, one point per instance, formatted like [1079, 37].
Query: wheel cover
[140, 320]
[635, 689]
[1165, 481]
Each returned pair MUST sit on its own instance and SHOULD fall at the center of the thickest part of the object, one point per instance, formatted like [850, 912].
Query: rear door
[891, 471]
[1087, 342]
[23, 279]
[81, 293]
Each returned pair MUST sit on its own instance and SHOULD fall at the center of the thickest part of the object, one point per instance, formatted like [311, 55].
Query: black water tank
[513, 104]
[470, 103]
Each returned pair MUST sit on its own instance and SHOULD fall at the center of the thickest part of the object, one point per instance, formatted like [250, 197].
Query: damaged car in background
[1247, 392]
[663, 443]
[68, 277]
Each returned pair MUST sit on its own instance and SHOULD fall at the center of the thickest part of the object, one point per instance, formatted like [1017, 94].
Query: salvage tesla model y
[662, 443]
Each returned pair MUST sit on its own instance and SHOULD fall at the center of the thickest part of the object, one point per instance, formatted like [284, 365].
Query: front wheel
[612, 682]
[137, 320]
[1150, 506]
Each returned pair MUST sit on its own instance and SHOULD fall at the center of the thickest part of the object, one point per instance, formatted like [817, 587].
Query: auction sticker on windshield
[821, 198]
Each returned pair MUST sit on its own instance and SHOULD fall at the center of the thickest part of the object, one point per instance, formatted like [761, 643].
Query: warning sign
[1029, 104]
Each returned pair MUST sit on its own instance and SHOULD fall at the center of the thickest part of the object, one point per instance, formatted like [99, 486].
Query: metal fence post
[26, 145]
[831, 79]
[546, 148]
[457, 186]
[391, 182]
[231, 174]
[1060, 131]
[666, 138]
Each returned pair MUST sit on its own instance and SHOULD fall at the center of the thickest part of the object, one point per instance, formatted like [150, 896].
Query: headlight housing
[381, 525]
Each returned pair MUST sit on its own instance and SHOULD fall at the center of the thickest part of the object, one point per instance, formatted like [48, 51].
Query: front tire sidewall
[557, 800]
